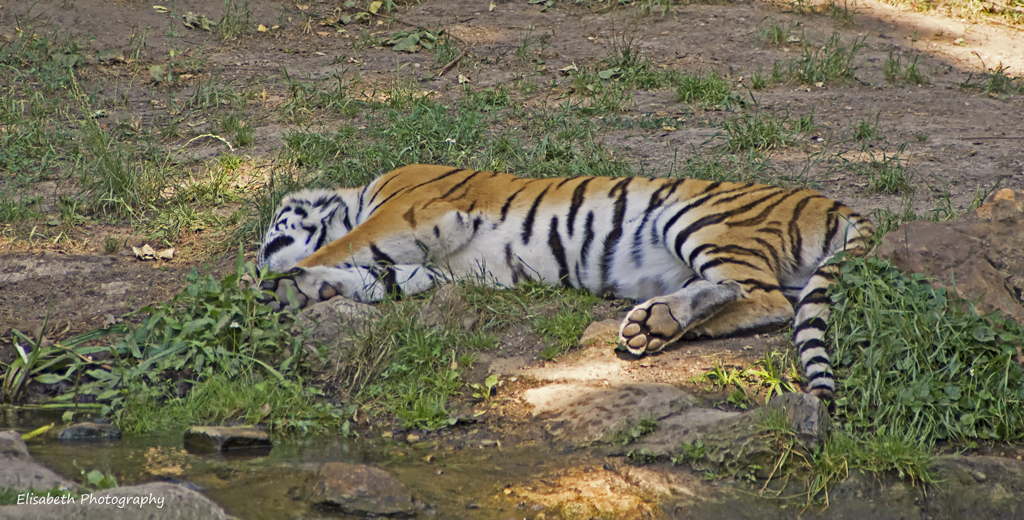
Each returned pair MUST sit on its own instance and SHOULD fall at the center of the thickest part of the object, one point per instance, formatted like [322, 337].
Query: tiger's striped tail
[813, 306]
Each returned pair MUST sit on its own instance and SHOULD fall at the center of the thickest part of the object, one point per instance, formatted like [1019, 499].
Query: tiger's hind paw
[648, 328]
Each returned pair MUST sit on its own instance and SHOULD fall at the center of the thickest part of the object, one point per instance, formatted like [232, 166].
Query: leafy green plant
[927, 368]
[49, 363]
[644, 426]
[486, 390]
[97, 479]
[692, 452]
[722, 376]
[770, 373]
[413, 41]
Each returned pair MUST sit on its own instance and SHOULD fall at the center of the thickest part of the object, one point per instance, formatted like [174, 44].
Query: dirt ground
[957, 141]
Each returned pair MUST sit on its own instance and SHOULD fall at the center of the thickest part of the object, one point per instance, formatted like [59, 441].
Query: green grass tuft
[918, 364]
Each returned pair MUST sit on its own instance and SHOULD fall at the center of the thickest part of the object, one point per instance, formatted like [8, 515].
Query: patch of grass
[841, 14]
[501, 308]
[531, 49]
[887, 175]
[403, 366]
[927, 368]
[764, 131]
[775, 33]
[564, 328]
[445, 50]
[212, 94]
[705, 88]
[306, 99]
[866, 129]
[911, 73]
[995, 83]
[832, 62]
[48, 59]
[758, 80]
[234, 21]
[116, 178]
[18, 210]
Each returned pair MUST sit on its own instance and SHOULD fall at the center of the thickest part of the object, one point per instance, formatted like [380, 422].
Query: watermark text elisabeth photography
[87, 499]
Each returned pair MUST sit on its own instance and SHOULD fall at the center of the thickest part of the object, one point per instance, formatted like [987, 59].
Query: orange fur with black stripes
[702, 257]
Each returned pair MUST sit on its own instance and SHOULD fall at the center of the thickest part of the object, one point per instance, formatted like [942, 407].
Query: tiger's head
[303, 222]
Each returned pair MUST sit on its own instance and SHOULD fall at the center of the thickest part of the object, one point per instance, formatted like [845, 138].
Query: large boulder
[979, 256]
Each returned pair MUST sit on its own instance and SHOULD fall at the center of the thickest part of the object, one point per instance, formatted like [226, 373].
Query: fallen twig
[452, 63]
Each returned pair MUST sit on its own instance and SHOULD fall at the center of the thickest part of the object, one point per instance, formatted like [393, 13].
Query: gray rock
[582, 414]
[732, 440]
[364, 490]
[19, 471]
[979, 488]
[673, 431]
[807, 415]
[329, 322]
[223, 438]
[87, 431]
[983, 253]
[447, 308]
[156, 501]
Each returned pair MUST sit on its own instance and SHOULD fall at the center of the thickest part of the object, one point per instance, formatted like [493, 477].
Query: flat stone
[88, 431]
[363, 490]
[582, 414]
[674, 430]
[223, 438]
[733, 439]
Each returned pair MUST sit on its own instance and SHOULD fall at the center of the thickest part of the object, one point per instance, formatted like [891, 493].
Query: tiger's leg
[650, 326]
[704, 308]
[734, 289]
[362, 284]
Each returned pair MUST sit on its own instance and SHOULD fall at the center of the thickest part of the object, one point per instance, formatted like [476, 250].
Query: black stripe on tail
[812, 309]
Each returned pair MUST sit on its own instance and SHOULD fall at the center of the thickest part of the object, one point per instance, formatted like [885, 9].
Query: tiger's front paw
[648, 328]
[294, 291]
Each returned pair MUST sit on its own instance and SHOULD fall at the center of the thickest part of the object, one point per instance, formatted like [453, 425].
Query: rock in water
[223, 438]
[362, 490]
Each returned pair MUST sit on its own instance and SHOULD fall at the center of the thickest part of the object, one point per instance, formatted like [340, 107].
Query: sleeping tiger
[703, 258]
